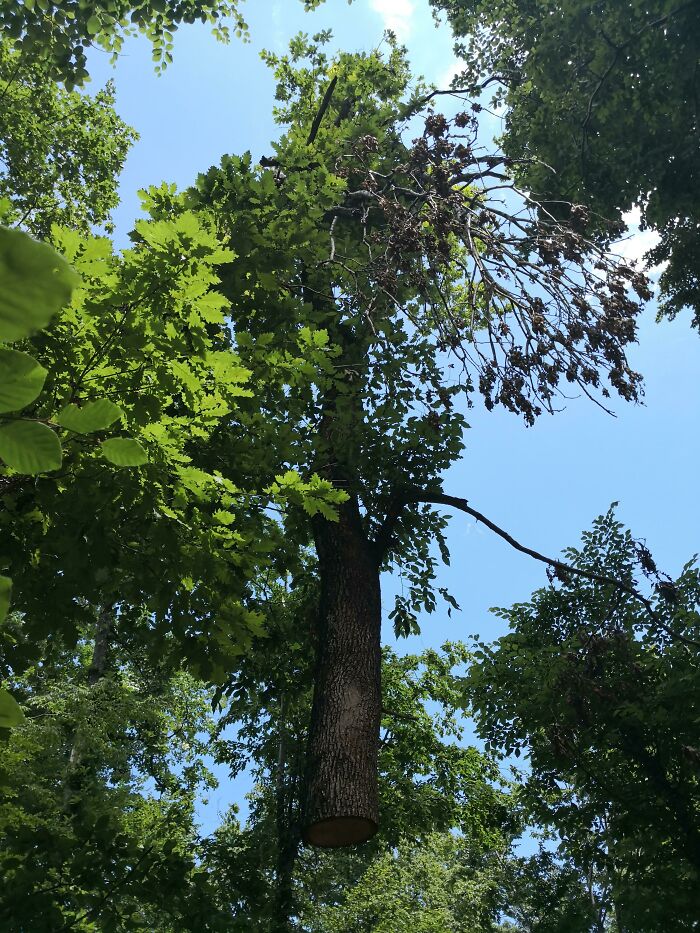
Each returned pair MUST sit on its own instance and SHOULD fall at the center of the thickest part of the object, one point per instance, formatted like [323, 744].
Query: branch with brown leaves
[524, 301]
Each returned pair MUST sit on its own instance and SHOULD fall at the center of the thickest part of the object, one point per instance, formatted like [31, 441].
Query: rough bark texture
[342, 805]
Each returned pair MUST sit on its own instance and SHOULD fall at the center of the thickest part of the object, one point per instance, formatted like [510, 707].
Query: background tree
[435, 886]
[548, 893]
[605, 706]
[602, 110]
[99, 785]
[60, 153]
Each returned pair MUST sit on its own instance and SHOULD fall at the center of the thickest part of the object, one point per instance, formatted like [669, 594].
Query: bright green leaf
[29, 447]
[94, 416]
[10, 712]
[21, 379]
[5, 594]
[124, 452]
[34, 283]
[328, 512]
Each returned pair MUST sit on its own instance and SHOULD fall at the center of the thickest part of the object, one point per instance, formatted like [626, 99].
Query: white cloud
[636, 244]
[456, 67]
[397, 15]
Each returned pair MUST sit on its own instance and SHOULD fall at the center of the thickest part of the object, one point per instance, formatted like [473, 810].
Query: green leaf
[93, 25]
[328, 512]
[94, 416]
[29, 447]
[10, 712]
[5, 594]
[21, 379]
[5, 209]
[124, 452]
[34, 283]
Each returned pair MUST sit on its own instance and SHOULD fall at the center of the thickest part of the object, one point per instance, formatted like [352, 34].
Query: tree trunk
[98, 663]
[342, 805]
[284, 884]
[287, 819]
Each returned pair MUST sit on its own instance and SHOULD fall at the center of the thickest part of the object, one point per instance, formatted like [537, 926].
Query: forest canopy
[217, 442]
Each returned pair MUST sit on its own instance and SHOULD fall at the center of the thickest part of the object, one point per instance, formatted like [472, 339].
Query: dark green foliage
[602, 104]
[548, 893]
[99, 786]
[606, 704]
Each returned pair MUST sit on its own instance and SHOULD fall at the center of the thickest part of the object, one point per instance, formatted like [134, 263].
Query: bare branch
[382, 541]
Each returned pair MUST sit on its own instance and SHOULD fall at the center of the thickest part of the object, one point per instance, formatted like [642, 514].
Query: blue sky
[544, 484]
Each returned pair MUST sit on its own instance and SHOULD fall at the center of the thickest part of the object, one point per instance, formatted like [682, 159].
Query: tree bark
[342, 799]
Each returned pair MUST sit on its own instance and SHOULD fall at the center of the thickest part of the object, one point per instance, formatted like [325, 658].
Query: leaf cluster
[61, 152]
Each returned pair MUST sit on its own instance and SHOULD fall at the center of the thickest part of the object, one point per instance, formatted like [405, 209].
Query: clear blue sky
[544, 484]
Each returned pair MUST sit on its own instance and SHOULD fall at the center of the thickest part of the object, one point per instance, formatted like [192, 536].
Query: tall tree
[602, 109]
[392, 257]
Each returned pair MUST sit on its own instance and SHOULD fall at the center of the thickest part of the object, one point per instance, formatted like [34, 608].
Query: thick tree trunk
[342, 805]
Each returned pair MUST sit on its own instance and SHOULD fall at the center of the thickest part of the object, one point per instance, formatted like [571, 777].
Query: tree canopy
[59, 34]
[605, 707]
[60, 152]
[214, 443]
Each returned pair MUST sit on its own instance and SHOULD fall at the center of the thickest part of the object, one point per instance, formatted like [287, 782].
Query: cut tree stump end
[338, 831]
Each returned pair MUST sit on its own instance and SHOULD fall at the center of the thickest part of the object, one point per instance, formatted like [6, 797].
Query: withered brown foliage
[526, 302]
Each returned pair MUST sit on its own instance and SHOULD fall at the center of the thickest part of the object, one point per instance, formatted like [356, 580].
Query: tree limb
[382, 544]
[322, 110]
